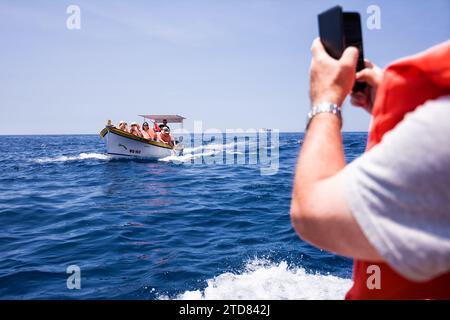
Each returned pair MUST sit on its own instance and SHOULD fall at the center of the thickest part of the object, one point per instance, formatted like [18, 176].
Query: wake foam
[209, 150]
[81, 156]
[262, 280]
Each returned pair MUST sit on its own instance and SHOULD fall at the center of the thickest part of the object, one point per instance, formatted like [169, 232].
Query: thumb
[367, 75]
[350, 57]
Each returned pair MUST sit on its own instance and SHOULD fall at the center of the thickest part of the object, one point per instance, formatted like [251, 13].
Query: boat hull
[123, 144]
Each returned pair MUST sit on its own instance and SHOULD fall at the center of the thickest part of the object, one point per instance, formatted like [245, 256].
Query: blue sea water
[154, 230]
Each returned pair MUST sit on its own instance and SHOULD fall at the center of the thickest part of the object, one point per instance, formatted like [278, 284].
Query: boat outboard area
[152, 140]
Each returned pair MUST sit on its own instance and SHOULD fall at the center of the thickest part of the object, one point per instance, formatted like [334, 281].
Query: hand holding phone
[331, 80]
[372, 75]
[339, 30]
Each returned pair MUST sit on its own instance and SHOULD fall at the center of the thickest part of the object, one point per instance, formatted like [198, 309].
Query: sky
[229, 63]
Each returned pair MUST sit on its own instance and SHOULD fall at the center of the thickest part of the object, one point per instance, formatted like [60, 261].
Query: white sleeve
[399, 193]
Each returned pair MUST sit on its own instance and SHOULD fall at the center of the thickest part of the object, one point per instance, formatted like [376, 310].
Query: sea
[79, 224]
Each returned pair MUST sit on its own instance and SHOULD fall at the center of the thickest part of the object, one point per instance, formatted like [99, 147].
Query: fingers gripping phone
[339, 30]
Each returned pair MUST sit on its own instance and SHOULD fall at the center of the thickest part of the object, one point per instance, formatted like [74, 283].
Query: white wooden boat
[120, 143]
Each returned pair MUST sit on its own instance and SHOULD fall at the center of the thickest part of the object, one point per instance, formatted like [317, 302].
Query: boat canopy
[160, 117]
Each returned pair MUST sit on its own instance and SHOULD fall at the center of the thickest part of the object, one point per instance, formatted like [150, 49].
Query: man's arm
[319, 211]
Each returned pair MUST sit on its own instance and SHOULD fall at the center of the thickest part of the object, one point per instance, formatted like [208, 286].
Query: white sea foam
[187, 157]
[262, 280]
[81, 156]
[208, 150]
[214, 147]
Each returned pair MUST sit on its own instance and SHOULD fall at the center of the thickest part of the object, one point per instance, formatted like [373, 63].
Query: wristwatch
[324, 107]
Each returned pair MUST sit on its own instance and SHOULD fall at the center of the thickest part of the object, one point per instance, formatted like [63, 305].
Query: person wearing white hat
[135, 130]
[165, 137]
[123, 126]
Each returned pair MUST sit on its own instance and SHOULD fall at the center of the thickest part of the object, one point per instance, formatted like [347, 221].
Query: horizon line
[93, 134]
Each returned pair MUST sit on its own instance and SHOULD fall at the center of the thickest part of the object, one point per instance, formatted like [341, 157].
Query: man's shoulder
[433, 113]
[420, 136]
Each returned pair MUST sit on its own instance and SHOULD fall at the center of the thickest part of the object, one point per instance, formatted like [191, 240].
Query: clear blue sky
[230, 63]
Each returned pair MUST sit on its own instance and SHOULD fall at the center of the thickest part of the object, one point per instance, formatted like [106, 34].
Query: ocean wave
[263, 280]
[81, 156]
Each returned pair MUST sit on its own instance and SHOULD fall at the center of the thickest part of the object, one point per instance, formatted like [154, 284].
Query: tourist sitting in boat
[123, 126]
[156, 127]
[165, 137]
[147, 132]
[164, 125]
[135, 130]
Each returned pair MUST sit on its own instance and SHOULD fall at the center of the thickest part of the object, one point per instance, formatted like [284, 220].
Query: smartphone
[331, 31]
[339, 30]
[353, 37]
